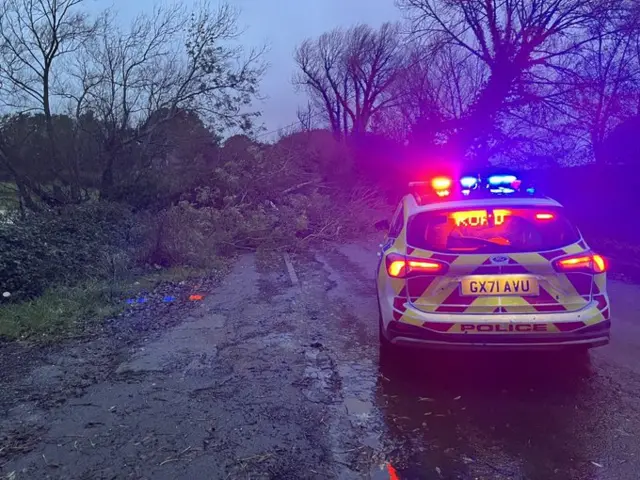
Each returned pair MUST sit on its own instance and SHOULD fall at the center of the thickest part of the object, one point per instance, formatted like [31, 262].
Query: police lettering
[503, 327]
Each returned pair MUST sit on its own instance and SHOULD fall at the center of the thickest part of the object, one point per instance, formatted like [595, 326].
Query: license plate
[487, 285]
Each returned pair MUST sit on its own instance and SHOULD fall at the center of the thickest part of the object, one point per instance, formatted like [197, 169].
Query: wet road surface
[269, 379]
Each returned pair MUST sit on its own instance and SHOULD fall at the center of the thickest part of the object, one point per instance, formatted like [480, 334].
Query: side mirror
[383, 225]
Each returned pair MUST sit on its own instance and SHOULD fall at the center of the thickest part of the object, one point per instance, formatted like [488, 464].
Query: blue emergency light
[502, 180]
[469, 182]
[494, 183]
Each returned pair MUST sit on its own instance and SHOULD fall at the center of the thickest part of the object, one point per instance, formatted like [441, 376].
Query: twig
[296, 187]
[55, 465]
[261, 456]
[241, 247]
[352, 449]
[176, 458]
[291, 270]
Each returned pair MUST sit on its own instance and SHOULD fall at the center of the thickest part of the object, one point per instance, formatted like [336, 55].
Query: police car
[482, 261]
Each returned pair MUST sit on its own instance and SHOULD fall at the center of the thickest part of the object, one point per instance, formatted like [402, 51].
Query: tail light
[583, 262]
[399, 266]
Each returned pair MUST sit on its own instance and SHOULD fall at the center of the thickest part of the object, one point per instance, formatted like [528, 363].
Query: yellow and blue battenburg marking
[559, 290]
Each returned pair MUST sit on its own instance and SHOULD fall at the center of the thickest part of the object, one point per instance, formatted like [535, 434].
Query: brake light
[545, 216]
[582, 262]
[396, 268]
[399, 266]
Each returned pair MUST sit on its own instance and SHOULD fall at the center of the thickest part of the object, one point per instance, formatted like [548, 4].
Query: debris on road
[209, 385]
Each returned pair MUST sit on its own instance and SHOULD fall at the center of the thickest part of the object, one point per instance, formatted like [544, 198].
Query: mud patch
[287, 384]
[344, 278]
[19, 441]
[194, 338]
[320, 378]
[16, 363]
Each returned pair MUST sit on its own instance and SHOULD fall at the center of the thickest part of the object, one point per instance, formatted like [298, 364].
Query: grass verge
[59, 313]
[63, 312]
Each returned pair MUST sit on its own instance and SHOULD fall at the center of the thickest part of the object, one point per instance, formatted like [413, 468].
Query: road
[271, 379]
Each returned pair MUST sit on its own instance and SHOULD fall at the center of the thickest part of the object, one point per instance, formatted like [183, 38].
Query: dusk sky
[283, 24]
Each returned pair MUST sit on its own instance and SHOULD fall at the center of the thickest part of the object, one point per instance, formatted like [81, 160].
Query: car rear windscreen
[491, 230]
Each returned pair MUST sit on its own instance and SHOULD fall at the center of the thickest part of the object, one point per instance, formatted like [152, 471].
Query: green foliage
[177, 156]
[65, 310]
[59, 311]
[248, 196]
[76, 165]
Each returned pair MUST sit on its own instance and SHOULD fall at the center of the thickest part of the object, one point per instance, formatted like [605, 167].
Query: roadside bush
[63, 247]
[255, 196]
[194, 235]
[281, 196]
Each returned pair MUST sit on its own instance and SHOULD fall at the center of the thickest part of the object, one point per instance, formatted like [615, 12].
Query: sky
[282, 25]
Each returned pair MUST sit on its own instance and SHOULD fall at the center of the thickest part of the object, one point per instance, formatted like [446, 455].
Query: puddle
[357, 407]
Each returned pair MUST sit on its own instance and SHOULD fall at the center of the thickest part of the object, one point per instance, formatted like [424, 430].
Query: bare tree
[35, 38]
[588, 94]
[138, 80]
[434, 90]
[349, 72]
[322, 70]
[513, 38]
[374, 60]
[306, 117]
[607, 88]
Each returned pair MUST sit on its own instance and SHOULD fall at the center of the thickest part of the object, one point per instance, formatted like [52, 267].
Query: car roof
[414, 207]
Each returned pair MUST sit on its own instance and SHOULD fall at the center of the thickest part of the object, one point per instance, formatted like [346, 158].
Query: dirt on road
[279, 379]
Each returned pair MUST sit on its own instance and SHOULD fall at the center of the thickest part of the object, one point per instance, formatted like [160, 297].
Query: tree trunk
[599, 153]
[46, 106]
[106, 182]
[479, 124]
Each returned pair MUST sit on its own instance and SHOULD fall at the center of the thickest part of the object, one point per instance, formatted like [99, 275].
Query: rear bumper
[596, 335]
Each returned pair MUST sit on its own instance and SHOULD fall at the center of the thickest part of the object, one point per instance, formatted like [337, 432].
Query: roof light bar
[471, 184]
